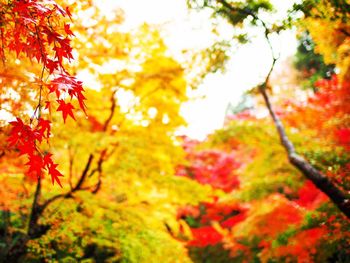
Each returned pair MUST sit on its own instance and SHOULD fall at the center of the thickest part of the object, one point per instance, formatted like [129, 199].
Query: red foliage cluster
[283, 214]
[24, 138]
[332, 96]
[209, 167]
[205, 236]
[218, 169]
[310, 197]
[327, 113]
[343, 136]
[213, 167]
[330, 102]
[283, 220]
[37, 29]
[31, 28]
[303, 245]
[226, 214]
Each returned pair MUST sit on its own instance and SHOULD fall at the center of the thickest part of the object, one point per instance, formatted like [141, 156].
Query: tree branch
[342, 30]
[34, 229]
[77, 187]
[109, 119]
[84, 174]
[99, 169]
[71, 163]
[322, 182]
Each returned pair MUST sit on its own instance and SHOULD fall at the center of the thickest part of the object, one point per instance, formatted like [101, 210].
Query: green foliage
[310, 64]
[268, 170]
[313, 219]
[210, 254]
[217, 56]
[340, 9]
[235, 11]
[106, 232]
[282, 239]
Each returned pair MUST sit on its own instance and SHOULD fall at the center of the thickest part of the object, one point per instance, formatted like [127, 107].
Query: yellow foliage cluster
[330, 29]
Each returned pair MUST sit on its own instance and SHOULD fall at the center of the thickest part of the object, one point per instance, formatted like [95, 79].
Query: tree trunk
[322, 182]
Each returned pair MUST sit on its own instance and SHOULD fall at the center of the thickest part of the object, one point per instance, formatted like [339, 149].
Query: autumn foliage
[270, 226]
[96, 109]
[39, 32]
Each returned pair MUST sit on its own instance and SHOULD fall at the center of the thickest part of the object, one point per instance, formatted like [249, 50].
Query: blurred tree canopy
[95, 109]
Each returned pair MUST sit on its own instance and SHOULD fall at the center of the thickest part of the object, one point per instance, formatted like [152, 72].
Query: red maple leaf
[68, 30]
[52, 170]
[16, 132]
[69, 84]
[27, 148]
[35, 165]
[51, 65]
[66, 109]
[20, 133]
[55, 174]
[44, 128]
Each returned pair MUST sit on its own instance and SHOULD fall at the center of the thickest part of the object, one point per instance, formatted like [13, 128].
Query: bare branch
[99, 169]
[35, 211]
[71, 163]
[75, 189]
[84, 174]
[111, 114]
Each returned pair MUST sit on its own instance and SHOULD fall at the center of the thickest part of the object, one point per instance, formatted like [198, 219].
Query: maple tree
[39, 31]
[273, 213]
[303, 222]
[133, 191]
[35, 30]
[110, 131]
[236, 13]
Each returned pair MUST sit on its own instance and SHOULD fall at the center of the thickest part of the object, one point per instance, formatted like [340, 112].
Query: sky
[184, 29]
